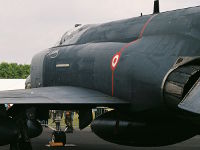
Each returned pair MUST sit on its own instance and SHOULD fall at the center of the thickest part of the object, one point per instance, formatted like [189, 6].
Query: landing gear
[23, 142]
[59, 137]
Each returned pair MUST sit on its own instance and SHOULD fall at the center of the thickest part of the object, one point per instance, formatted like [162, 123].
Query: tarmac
[86, 140]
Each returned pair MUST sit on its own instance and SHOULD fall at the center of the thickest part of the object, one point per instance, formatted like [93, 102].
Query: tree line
[14, 71]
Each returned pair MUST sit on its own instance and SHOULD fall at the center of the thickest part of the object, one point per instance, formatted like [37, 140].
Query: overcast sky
[29, 26]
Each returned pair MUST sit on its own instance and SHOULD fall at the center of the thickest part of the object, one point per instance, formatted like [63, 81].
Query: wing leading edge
[58, 95]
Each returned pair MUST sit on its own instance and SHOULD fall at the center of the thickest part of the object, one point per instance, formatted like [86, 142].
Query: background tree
[14, 71]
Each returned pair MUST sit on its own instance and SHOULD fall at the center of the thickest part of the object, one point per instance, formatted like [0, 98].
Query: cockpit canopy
[123, 31]
[73, 36]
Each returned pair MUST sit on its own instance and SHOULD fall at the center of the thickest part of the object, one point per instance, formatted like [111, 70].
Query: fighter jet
[146, 68]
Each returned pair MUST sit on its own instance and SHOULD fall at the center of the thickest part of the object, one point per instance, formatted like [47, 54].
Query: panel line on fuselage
[116, 58]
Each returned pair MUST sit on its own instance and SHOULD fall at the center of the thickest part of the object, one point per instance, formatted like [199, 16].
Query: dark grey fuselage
[83, 58]
[147, 69]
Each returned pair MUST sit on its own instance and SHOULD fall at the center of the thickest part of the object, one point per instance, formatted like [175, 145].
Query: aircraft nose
[37, 69]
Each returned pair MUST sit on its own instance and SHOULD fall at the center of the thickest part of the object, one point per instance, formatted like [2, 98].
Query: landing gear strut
[22, 120]
[24, 142]
[58, 136]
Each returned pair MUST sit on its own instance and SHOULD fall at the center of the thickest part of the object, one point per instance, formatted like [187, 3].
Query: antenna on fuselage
[156, 7]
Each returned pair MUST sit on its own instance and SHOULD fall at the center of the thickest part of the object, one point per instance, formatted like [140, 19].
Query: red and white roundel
[115, 61]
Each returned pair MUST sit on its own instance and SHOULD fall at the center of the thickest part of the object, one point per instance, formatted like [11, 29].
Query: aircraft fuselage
[127, 59]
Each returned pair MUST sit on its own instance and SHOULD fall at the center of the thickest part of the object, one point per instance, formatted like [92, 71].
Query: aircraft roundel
[115, 61]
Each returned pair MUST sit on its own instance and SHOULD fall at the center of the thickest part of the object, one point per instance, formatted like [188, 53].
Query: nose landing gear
[58, 139]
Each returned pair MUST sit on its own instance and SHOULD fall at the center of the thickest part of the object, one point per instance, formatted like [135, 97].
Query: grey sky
[29, 26]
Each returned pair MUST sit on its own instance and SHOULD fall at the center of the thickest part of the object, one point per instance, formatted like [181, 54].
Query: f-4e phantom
[146, 68]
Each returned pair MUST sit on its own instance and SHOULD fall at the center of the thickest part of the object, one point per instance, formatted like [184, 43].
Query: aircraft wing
[191, 102]
[58, 95]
